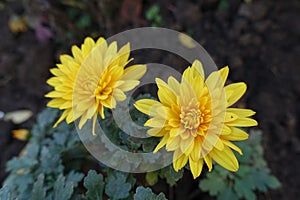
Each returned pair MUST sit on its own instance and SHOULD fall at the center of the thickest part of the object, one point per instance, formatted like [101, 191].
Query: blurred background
[258, 39]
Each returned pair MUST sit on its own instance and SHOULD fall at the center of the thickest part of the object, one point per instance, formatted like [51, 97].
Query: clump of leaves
[39, 172]
[224, 5]
[54, 165]
[167, 173]
[253, 174]
[51, 167]
[121, 138]
[147, 194]
[152, 14]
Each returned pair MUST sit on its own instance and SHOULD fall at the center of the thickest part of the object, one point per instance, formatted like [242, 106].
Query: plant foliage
[54, 165]
[253, 174]
[50, 167]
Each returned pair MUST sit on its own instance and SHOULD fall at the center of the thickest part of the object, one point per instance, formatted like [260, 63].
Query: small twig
[171, 193]
[194, 194]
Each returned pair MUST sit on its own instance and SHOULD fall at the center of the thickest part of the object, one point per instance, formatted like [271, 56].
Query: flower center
[103, 89]
[190, 116]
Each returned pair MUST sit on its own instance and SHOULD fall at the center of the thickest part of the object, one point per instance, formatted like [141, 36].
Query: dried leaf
[186, 41]
[18, 117]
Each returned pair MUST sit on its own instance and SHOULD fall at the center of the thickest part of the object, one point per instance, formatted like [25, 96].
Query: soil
[258, 40]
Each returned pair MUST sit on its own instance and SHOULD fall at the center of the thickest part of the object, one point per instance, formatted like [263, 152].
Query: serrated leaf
[23, 182]
[117, 186]
[214, 184]
[38, 190]
[227, 194]
[221, 171]
[147, 194]
[74, 177]
[243, 188]
[59, 138]
[50, 162]
[94, 184]
[171, 175]
[62, 189]
[47, 117]
[243, 171]
[5, 193]
[273, 182]
[149, 144]
[261, 178]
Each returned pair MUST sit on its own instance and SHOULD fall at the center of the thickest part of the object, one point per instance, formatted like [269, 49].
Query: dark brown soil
[258, 40]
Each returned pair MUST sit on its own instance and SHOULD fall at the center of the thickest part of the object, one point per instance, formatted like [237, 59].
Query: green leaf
[273, 182]
[50, 161]
[224, 5]
[221, 171]
[5, 194]
[74, 177]
[62, 189]
[243, 171]
[23, 182]
[227, 194]
[253, 174]
[117, 186]
[171, 175]
[94, 184]
[243, 188]
[152, 177]
[262, 179]
[38, 191]
[47, 117]
[152, 12]
[147, 194]
[214, 184]
[84, 21]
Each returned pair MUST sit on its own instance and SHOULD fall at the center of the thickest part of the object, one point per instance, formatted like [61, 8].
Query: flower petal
[224, 74]
[128, 85]
[165, 94]
[155, 122]
[179, 160]
[196, 167]
[208, 162]
[134, 72]
[233, 146]
[147, 106]
[187, 145]
[243, 122]
[161, 143]
[225, 158]
[241, 112]
[124, 54]
[234, 92]
[173, 143]
[62, 117]
[119, 94]
[199, 68]
[196, 152]
[157, 132]
[174, 85]
[235, 135]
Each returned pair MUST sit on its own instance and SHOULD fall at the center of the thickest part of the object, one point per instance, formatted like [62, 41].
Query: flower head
[194, 119]
[92, 78]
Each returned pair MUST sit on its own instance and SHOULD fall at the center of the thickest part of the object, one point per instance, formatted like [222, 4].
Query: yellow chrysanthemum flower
[194, 119]
[93, 78]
